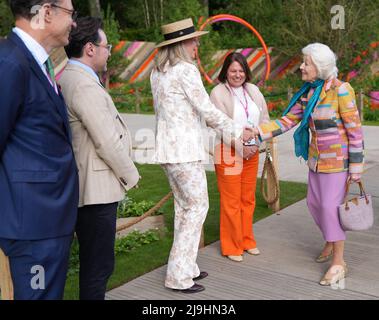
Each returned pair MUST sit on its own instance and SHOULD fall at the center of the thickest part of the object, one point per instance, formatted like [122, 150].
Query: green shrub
[135, 240]
[6, 18]
[365, 81]
[129, 208]
[116, 63]
[370, 115]
[130, 97]
[73, 265]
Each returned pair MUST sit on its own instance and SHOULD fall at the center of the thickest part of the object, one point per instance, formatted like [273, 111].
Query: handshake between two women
[250, 142]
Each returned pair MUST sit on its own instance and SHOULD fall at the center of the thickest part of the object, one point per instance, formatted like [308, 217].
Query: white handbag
[356, 214]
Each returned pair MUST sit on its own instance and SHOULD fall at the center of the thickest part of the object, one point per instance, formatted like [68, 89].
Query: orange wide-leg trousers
[236, 180]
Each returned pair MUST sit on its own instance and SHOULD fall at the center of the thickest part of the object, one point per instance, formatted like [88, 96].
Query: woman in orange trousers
[237, 167]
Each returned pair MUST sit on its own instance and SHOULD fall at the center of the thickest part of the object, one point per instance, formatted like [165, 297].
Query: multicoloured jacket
[337, 137]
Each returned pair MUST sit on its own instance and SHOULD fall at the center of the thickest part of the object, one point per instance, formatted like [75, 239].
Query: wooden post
[138, 100]
[360, 104]
[6, 285]
[272, 144]
[95, 8]
[289, 94]
[107, 80]
[202, 243]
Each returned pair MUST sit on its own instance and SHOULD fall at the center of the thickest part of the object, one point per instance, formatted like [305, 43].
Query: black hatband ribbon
[179, 33]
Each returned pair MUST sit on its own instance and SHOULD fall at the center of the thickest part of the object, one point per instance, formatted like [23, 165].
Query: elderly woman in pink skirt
[326, 107]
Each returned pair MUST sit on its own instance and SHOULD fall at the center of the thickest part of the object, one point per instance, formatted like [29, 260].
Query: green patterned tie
[50, 71]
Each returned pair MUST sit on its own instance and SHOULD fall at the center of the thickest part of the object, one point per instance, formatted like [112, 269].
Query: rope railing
[146, 214]
[6, 284]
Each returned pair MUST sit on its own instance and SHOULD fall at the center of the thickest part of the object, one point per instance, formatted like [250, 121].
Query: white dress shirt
[38, 52]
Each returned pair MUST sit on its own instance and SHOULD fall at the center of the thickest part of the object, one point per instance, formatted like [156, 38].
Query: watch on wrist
[251, 142]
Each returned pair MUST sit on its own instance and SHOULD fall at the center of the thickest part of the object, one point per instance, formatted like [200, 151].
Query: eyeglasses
[108, 46]
[74, 14]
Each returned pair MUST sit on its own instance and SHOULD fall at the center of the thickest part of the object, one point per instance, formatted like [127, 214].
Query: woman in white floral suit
[180, 101]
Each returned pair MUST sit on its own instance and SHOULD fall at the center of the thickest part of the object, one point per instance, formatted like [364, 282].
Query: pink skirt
[326, 191]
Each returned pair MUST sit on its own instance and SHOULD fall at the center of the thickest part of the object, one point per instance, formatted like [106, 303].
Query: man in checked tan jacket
[102, 146]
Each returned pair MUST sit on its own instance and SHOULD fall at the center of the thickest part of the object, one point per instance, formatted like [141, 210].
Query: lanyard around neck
[244, 105]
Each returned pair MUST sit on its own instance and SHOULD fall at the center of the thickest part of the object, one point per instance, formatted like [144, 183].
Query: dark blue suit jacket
[38, 175]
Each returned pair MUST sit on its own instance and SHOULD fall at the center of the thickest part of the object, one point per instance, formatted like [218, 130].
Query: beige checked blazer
[101, 139]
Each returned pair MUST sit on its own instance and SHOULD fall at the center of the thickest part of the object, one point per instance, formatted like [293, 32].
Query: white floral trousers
[189, 186]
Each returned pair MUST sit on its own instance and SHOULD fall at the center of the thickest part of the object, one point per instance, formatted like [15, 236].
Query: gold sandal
[339, 272]
[322, 259]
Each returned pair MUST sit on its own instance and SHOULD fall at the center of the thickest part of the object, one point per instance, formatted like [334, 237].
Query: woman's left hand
[355, 177]
[249, 151]
[249, 133]
[254, 149]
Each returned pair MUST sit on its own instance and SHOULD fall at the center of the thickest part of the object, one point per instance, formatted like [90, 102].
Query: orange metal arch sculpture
[229, 17]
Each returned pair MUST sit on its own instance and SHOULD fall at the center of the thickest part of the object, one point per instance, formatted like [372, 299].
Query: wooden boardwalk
[289, 242]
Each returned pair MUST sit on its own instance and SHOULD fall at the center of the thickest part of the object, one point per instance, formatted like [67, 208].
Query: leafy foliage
[111, 26]
[116, 63]
[130, 208]
[370, 115]
[135, 240]
[133, 97]
[141, 19]
[6, 18]
[292, 24]
[74, 258]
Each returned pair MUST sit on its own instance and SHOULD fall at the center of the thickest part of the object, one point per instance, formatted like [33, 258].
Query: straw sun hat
[179, 31]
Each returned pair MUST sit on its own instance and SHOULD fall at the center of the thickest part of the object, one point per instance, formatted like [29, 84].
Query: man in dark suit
[38, 174]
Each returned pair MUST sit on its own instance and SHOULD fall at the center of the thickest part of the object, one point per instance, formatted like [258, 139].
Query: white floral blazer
[180, 103]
